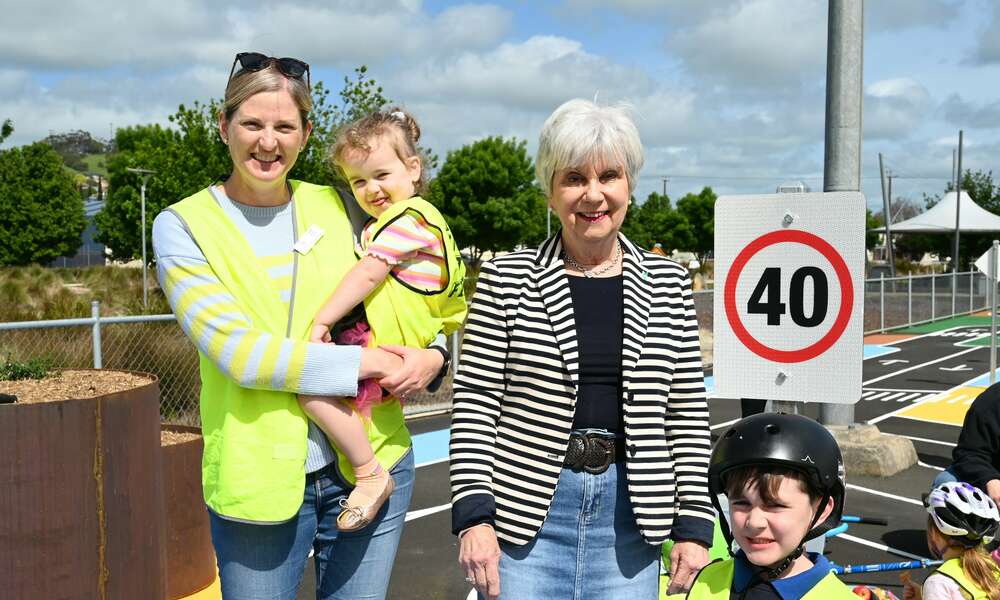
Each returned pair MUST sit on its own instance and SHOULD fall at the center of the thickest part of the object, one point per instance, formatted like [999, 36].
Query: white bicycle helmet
[963, 511]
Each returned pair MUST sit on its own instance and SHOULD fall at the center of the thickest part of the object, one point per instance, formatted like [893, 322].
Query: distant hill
[80, 151]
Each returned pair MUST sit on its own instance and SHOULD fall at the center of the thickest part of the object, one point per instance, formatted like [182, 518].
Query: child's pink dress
[369, 391]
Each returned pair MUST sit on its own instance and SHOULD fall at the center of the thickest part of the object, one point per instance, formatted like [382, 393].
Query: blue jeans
[589, 546]
[946, 476]
[265, 562]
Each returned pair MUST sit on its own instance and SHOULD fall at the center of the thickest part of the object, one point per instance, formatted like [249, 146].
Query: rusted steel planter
[190, 557]
[81, 498]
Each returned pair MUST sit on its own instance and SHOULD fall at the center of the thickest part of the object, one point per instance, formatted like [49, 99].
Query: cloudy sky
[727, 93]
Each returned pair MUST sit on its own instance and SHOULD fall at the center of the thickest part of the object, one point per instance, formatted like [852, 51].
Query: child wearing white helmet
[961, 521]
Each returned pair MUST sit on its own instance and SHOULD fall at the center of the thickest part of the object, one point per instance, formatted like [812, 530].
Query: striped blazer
[515, 395]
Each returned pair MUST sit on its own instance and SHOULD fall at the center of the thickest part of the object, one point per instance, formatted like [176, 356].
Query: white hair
[581, 133]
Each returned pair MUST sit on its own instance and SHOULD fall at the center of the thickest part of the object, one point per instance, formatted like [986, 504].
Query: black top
[599, 313]
[976, 457]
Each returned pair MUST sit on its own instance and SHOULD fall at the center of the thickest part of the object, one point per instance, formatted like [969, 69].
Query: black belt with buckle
[593, 452]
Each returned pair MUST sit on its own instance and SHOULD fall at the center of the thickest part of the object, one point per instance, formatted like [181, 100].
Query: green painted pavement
[963, 321]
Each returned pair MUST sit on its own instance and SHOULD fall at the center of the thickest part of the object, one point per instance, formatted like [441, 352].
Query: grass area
[37, 293]
[963, 321]
[96, 163]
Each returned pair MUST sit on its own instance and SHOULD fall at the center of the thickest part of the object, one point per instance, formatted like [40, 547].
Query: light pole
[146, 173]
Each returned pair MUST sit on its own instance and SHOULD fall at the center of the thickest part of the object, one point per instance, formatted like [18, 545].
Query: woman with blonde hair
[245, 265]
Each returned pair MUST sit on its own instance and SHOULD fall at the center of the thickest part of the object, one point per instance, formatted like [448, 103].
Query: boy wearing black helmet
[783, 475]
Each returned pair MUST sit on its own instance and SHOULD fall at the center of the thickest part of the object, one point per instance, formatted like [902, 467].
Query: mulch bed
[71, 385]
[169, 438]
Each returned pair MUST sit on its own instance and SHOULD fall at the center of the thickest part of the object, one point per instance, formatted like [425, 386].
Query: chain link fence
[156, 344]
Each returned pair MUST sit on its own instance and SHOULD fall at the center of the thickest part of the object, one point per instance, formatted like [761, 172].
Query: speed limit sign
[789, 296]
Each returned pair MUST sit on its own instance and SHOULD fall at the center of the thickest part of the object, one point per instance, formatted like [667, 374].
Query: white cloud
[894, 108]
[757, 43]
[967, 114]
[537, 74]
[987, 50]
[905, 14]
[148, 34]
[96, 103]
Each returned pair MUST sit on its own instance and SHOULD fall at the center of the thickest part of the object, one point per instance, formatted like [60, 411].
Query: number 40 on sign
[789, 276]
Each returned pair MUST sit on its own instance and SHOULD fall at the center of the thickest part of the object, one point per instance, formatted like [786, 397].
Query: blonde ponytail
[982, 570]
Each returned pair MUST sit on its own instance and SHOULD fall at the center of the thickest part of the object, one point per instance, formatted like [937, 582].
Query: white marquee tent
[941, 218]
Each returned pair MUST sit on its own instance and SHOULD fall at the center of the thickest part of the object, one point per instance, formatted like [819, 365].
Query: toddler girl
[410, 278]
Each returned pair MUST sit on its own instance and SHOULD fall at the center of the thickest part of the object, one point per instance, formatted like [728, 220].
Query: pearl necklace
[594, 272]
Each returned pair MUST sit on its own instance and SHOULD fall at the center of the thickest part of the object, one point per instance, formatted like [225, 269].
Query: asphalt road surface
[899, 375]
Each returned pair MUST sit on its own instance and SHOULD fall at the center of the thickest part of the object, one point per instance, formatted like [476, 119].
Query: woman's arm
[686, 426]
[356, 285]
[221, 330]
[479, 389]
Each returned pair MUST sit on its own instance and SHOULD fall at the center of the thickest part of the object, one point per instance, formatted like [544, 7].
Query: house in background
[91, 253]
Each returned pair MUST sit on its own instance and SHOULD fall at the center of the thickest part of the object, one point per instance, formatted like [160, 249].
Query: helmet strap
[781, 566]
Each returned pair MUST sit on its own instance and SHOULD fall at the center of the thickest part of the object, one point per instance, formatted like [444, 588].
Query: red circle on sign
[846, 295]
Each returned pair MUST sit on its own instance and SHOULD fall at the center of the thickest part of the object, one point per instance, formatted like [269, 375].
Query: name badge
[308, 239]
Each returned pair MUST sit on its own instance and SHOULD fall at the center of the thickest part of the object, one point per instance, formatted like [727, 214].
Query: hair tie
[399, 115]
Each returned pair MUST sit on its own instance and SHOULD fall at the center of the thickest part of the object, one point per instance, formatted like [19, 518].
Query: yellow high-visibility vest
[253, 467]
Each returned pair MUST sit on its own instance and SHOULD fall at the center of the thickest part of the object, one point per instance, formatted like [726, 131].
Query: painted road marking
[897, 395]
[947, 407]
[423, 512]
[919, 366]
[885, 494]
[874, 350]
[983, 380]
[926, 440]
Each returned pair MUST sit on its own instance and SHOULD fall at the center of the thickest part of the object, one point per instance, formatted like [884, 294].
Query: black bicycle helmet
[790, 441]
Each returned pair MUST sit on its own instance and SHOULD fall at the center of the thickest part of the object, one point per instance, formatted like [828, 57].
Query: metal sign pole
[842, 148]
[993, 311]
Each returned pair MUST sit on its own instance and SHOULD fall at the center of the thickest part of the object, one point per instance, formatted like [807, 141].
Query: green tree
[6, 129]
[699, 210]
[656, 222]
[190, 155]
[487, 193]
[41, 213]
[871, 222]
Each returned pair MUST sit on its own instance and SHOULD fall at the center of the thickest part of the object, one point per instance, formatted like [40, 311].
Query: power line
[776, 177]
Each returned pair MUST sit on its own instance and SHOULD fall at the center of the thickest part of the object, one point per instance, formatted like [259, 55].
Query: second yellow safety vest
[715, 580]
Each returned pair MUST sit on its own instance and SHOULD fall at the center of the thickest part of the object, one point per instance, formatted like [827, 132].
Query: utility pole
[665, 180]
[958, 201]
[146, 174]
[842, 152]
[887, 214]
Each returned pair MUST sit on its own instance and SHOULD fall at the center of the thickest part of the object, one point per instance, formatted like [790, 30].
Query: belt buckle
[599, 454]
[576, 452]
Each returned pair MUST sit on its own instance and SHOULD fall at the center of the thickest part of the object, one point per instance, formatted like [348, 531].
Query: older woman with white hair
[580, 437]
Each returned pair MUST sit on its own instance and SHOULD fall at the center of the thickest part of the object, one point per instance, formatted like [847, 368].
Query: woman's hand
[420, 367]
[686, 559]
[377, 363]
[479, 557]
[320, 334]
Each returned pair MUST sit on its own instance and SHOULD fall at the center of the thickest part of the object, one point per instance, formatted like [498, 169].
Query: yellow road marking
[948, 407]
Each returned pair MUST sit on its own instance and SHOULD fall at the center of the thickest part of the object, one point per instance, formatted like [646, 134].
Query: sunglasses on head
[255, 61]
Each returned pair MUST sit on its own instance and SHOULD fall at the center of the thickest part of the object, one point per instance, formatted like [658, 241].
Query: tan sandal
[353, 518]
